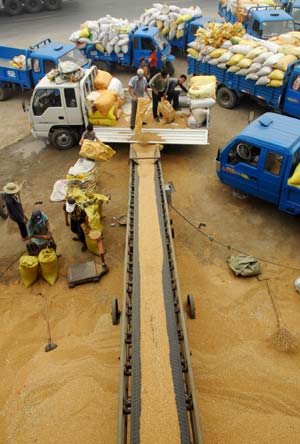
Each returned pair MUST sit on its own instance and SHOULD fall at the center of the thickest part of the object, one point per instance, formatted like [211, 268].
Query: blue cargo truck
[16, 7]
[292, 7]
[263, 161]
[142, 40]
[232, 87]
[39, 59]
[261, 21]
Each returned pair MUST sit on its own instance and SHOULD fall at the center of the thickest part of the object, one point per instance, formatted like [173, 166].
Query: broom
[283, 340]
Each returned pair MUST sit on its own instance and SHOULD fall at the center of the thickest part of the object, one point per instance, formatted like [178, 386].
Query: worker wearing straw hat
[14, 207]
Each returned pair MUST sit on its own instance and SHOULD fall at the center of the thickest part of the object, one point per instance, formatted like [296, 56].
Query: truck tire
[63, 138]
[227, 98]
[4, 93]
[13, 7]
[32, 6]
[52, 5]
[103, 66]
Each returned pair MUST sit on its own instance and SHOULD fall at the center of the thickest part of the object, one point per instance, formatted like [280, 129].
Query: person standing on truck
[172, 93]
[77, 218]
[88, 134]
[137, 87]
[159, 85]
[14, 207]
[153, 61]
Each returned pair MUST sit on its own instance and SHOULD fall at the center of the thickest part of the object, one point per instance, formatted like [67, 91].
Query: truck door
[270, 180]
[240, 167]
[291, 105]
[290, 194]
[47, 109]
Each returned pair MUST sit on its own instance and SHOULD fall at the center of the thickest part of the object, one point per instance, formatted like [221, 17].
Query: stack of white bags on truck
[169, 19]
[202, 96]
[240, 8]
[264, 62]
[108, 34]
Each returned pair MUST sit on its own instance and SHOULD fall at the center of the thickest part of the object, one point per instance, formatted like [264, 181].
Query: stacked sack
[46, 265]
[264, 62]
[202, 93]
[169, 19]
[108, 34]
[19, 62]
[240, 8]
[104, 103]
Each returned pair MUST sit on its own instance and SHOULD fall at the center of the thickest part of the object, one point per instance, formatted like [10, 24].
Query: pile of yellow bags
[202, 87]
[30, 267]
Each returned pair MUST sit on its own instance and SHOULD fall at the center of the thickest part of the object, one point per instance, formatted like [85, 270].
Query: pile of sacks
[240, 8]
[103, 105]
[169, 19]
[202, 94]
[66, 72]
[46, 265]
[108, 34]
[19, 62]
[264, 62]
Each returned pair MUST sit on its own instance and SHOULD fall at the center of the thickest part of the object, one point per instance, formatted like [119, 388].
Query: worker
[153, 61]
[88, 134]
[159, 85]
[14, 207]
[173, 93]
[77, 218]
[39, 233]
[96, 235]
[146, 69]
[137, 87]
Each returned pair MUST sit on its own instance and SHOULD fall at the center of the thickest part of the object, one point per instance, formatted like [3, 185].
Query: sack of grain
[276, 74]
[192, 122]
[284, 62]
[245, 63]
[235, 59]
[166, 110]
[264, 71]
[202, 80]
[273, 59]
[193, 52]
[106, 101]
[48, 265]
[96, 150]
[199, 91]
[102, 80]
[202, 103]
[295, 178]
[200, 115]
[275, 83]
[262, 81]
[29, 269]
[241, 49]
[252, 76]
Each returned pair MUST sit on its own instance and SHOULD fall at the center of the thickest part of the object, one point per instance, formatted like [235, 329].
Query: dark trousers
[155, 100]
[173, 98]
[23, 229]
[133, 113]
[76, 229]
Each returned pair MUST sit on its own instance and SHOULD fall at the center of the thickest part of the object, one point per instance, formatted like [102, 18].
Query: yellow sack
[235, 59]
[266, 2]
[183, 18]
[103, 79]
[295, 179]
[165, 31]
[98, 115]
[202, 80]
[166, 109]
[216, 53]
[276, 74]
[49, 265]
[159, 24]
[233, 69]
[284, 62]
[275, 83]
[202, 91]
[100, 47]
[29, 269]
[179, 33]
[173, 25]
[295, 51]
[193, 52]
[92, 245]
[106, 101]
[255, 52]
[102, 122]
[96, 150]
[84, 33]
[94, 218]
[245, 63]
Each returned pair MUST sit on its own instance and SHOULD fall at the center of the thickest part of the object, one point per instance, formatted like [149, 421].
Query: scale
[85, 272]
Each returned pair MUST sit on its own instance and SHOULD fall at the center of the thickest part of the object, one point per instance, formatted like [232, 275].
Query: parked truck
[261, 161]
[142, 40]
[292, 7]
[58, 113]
[261, 21]
[232, 87]
[39, 59]
[16, 7]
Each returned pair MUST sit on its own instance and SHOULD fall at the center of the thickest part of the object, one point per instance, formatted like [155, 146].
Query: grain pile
[157, 390]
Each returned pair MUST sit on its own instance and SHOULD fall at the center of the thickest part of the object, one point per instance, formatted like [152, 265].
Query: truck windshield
[74, 56]
[270, 29]
[161, 40]
[296, 14]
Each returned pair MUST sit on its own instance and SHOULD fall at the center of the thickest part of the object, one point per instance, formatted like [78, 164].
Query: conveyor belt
[133, 399]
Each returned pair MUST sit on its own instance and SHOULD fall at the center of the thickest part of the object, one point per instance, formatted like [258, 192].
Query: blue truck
[292, 7]
[261, 161]
[142, 40]
[261, 21]
[16, 7]
[232, 87]
[39, 59]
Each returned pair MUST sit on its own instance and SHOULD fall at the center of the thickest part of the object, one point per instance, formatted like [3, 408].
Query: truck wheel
[226, 97]
[13, 7]
[4, 93]
[103, 66]
[52, 5]
[32, 6]
[63, 138]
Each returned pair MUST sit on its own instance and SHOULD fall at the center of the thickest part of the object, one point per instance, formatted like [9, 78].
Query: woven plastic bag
[29, 269]
[96, 150]
[243, 265]
[166, 110]
[49, 265]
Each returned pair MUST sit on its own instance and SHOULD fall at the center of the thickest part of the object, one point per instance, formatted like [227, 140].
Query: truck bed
[7, 72]
[238, 83]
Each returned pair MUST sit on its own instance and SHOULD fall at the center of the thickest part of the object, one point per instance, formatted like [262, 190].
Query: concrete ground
[247, 391]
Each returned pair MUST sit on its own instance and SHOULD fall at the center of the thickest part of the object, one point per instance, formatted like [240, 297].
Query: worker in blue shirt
[39, 233]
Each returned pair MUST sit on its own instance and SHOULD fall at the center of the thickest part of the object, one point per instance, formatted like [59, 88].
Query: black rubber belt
[136, 330]
[175, 358]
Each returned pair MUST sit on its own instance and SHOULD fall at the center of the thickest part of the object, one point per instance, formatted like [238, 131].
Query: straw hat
[11, 188]
[94, 234]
